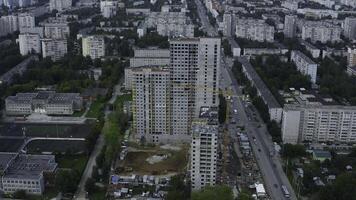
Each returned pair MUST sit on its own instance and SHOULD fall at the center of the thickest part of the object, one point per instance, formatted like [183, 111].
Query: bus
[285, 191]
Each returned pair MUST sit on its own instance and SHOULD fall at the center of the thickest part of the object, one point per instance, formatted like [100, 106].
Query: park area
[154, 160]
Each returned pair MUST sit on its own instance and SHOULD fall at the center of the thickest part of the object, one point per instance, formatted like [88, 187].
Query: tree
[222, 109]
[227, 47]
[66, 180]
[178, 189]
[244, 195]
[20, 194]
[220, 192]
[90, 185]
[293, 151]
[342, 189]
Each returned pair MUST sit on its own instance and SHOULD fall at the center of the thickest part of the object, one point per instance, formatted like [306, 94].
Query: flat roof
[266, 94]
[304, 57]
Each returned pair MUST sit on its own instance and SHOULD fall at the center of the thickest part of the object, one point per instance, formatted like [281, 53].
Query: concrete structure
[108, 8]
[314, 118]
[204, 153]
[93, 46]
[26, 21]
[25, 172]
[171, 24]
[29, 43]
[45, 102]
[313, 50]
[229, 21]
[60, 5]
[8, 24]
[351, 70]
[290, 26]
[304, 64]
[193, 83]
[350, 3]
[151, 104]
[351, 56]
[327, 3]
[290, 5]
[321, 31]
[274, 109]
[152, 56]
[254, 30]
[58, 30]
[195, 69]
[264, 51]
[55, 49]
[350, 28]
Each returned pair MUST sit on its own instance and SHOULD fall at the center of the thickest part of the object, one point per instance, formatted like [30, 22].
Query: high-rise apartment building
[193, 83]
[350, 28]
[151, 103]
[93, 46]
[55, 49]
[195, 69]
[8, 24]
[204, 151]
[59, 5]
[254, 30]
[229, 20]
[29, 43]
[290, 26]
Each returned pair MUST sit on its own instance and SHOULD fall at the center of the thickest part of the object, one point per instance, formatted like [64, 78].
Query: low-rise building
[254, 29]
[304, 64]
[44, 102]
[25, 172]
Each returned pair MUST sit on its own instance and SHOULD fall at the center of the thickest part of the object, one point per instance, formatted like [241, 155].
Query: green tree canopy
[213, 193]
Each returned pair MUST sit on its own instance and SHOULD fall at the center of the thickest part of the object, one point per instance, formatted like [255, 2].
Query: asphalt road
[261, 142]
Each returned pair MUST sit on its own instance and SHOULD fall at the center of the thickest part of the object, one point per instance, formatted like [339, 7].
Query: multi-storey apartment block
[204, 153]
[318, 119]
[304, 64]
[108, 8]
[290, 26]
[55, 49]
[193, 83]
[29, 43]
[350, 28]
[60, 5]
[254, 30]
[151, 103]
[93, 46]
[321, 31]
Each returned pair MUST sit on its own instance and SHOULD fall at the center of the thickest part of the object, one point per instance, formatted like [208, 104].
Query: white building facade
[305, 65]
[55, 49]
[290, 26]
[321, 31]
[29, 43]
[350, 28]
[108, 8]
[93, 46]
[204, 152]
[60, 5]
[253, 29]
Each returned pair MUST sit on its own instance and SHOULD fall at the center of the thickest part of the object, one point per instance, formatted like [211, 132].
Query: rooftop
[303, 56]
[259, 84]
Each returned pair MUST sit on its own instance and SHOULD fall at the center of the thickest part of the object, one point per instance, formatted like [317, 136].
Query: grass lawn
[75, 162]
[96, 108]
[98, 195]
[176, 162]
